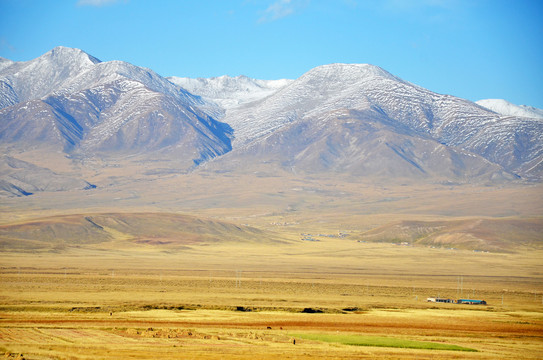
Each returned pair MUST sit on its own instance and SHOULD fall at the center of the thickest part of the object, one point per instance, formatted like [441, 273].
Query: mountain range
[357, 120]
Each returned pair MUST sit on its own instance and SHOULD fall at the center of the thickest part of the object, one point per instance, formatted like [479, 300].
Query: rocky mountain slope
[353, 119]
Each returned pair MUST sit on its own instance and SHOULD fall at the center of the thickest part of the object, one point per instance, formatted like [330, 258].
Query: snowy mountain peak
[64, 70]
[39, 77]
[4, 63]
[61, 53]
[352, 72]
[504, 107]
[321, 89]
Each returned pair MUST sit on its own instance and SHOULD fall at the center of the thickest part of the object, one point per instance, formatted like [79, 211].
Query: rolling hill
[123, 230]
[495, 235]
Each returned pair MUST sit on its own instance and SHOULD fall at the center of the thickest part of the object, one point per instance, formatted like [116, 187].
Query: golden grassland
[223, 269]
[253, 300]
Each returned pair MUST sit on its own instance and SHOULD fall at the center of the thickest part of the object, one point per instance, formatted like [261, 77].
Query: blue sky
[474, 49]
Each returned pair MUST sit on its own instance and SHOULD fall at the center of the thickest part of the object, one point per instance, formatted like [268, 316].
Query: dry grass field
[255, 301]
[266, 267]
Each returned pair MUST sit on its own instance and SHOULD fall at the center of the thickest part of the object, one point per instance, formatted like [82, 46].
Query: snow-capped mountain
[85, 107]
[504, 107]
[355, 119]
[322, 89]
[370, 93]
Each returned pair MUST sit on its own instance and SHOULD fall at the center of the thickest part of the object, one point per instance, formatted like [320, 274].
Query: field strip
[380, 341]
[374, 322]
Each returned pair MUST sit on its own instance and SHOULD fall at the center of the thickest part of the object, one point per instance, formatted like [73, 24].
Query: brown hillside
[496, 235]
[123, 229]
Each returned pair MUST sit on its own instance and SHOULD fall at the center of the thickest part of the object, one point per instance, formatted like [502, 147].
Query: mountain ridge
[448, 120]
[354, 119]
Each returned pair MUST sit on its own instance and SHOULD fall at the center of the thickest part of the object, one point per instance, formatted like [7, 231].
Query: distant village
[313, 237]
[459, 301]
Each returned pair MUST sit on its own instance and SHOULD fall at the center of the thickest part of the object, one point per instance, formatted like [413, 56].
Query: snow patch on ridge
[229, 92]
[504, 107]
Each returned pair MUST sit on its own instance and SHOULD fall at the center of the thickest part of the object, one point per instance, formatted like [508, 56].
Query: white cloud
[98, 2]
[282, 8]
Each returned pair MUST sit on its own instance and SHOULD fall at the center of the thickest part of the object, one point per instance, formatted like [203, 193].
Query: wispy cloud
[5, 44]
[413, 5]
[99, 2]
[282, 8]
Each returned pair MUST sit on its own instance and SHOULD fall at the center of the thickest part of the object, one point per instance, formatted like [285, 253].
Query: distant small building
[471, 302]
[439, 300]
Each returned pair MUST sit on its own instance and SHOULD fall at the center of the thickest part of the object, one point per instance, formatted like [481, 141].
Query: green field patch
[380, 341]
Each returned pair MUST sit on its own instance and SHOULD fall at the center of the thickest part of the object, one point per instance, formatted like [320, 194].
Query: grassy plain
[238, 278]
[229, 301]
